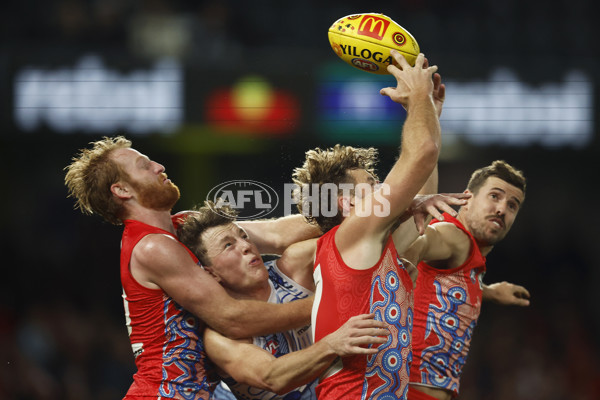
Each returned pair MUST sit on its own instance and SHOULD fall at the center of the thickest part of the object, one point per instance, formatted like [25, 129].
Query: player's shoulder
[155, 245]
[445, 226]
[457, 240]
[446, 231]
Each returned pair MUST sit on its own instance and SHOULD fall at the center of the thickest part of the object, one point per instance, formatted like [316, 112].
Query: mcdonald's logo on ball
[373, 26]
[364, 41]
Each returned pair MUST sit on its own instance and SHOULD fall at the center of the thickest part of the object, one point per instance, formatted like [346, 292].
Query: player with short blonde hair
[331, 166]
[357, 268]
[90, 176]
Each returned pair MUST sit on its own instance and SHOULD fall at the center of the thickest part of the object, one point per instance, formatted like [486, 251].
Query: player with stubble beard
[451, 258]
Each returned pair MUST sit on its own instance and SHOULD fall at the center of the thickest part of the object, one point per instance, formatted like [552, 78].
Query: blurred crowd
[55, 351]
[212, 30]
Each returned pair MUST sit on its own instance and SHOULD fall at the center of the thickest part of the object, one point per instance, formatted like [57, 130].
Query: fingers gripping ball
[365, 40]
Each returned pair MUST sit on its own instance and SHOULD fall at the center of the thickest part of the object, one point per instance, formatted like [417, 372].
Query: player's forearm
[419, 153]
[421, 135]
[422, 123]
[274, 236]
[293, 229]
[298, 368]
[247, 318]
[488, 293]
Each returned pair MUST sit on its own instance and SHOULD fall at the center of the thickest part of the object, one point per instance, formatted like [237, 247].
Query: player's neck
[159, 219]
[260, 293]
[485, 249]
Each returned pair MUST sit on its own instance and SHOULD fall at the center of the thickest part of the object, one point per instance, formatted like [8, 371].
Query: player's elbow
[273, 383]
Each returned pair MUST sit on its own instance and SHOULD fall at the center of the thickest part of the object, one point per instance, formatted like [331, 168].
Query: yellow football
[365, 40]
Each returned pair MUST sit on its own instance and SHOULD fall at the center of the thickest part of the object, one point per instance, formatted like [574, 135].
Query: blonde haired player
[357, 269]
[168, 298]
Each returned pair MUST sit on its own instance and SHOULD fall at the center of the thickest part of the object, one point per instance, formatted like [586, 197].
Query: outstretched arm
[249, 364]
[273, 236]
[159, 261]
[506, 293]
[422, 208]
[442, 245]
[413, 224]
[360, 239]
[432, 245]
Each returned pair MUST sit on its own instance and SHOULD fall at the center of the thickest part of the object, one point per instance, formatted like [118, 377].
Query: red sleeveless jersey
[447, 306]
[166, 339]
[342, 292]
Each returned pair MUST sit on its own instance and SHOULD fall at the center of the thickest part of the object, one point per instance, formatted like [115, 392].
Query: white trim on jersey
[336, 366]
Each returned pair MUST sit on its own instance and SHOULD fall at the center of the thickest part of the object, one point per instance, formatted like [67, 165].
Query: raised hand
[435, 204]
[357, 333]
[506, 293]
[411, 81]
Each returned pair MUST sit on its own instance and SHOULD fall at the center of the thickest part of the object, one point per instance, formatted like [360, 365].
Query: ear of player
[365, 40]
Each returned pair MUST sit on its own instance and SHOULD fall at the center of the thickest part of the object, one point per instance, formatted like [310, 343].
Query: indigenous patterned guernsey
[342, 292]
[283, 290]
[447, 305]
[166, 339]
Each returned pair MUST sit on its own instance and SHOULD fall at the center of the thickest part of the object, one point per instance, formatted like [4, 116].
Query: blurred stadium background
[222, 89]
